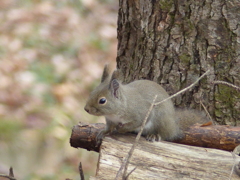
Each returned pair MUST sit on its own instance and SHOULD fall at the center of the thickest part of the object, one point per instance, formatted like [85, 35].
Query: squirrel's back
[162, 119]
[148, 90]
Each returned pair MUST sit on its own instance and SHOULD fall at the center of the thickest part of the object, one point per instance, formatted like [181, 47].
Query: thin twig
[234, 163]
[10, 176]
[205, 109]
[130, 153]
[81, 171]
[183, 90]
[227, 84]
[130, 173]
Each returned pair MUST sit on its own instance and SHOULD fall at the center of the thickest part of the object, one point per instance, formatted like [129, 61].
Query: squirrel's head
[106, 98]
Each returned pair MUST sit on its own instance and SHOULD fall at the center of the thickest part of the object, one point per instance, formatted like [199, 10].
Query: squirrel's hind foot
[153, 137]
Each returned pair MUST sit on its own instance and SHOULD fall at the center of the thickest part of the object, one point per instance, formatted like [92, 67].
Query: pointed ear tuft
[105, 73]
[114, 86]
[116, 75]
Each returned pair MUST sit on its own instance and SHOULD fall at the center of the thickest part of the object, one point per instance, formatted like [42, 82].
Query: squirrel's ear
[105, 73]
[114, 87]
[114, 83]
[115, 75]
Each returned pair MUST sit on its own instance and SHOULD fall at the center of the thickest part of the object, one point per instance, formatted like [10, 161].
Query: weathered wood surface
[164, 160]
[219, 137]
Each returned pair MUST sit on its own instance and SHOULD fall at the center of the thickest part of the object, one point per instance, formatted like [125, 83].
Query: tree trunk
[173, 42]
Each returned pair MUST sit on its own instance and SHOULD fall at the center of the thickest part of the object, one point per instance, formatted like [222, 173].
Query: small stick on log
[206, 111]
[81, 171]
[10, 176]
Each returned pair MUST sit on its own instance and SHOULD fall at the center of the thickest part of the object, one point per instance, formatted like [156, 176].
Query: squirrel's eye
[102, 101]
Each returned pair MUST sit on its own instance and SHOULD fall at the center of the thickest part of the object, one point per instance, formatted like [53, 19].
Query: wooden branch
[219, 137]
[164, 160]
[215, 136]
[84, 136]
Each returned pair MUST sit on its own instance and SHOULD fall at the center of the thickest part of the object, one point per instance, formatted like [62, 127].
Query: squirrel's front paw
[237, 168]
[153, 137]
[121, 128]
[100, 137]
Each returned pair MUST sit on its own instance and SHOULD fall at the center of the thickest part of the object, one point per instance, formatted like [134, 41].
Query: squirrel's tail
[187, 118]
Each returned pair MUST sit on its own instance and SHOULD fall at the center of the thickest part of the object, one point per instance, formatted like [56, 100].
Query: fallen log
[164, 160]
[213, 136]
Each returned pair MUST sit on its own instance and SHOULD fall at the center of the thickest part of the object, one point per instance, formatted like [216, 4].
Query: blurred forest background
[52, 55]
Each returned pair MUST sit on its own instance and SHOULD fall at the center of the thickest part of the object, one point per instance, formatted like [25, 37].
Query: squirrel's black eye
[102, 101]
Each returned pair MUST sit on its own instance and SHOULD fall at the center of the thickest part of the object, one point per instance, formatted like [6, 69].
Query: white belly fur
[114, 118]
[148, 126]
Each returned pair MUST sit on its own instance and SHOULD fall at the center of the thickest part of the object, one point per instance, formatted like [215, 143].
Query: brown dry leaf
[207, 124]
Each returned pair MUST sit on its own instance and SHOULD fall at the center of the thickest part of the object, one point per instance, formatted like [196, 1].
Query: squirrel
[125, 107]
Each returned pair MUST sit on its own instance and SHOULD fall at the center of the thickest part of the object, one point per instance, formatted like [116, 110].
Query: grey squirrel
[125, 106]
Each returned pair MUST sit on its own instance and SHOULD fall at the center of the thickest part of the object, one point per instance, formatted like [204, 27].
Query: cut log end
[84, 136]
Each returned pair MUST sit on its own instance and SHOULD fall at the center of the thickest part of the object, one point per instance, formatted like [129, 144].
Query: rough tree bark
[173, 42]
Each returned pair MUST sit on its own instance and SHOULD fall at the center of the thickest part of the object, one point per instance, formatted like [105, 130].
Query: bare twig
[10, 176]
[130, 153]
[227, 84]
[234, 163]
[130, 172]
[205, 109]
[183, 90]
[81, 171]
